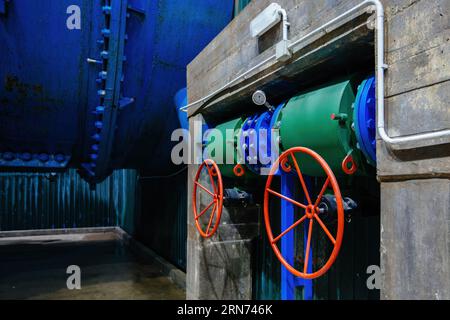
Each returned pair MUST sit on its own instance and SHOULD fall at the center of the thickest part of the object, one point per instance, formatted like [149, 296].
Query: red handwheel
[310, 211]
[214, 192]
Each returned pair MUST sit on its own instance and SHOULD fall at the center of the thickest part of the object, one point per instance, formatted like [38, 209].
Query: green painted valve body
[214, 145]
[320, 120]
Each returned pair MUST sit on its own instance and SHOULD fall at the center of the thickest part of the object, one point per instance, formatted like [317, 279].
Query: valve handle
[311, 211]
[214, 192]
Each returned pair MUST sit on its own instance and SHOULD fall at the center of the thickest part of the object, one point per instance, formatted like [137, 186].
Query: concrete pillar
[415, 242]
[415, 185]
[221, 267]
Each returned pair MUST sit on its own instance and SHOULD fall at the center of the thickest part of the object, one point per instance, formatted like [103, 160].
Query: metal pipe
[243, 75]
[380, 69]
[283, 14]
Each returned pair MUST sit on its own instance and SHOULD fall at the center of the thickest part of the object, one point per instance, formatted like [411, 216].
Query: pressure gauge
[259, 98]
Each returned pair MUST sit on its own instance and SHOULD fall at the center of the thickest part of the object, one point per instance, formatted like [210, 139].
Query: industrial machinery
[327, 133]
[89, 84]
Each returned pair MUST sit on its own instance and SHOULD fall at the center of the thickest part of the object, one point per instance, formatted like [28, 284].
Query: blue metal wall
[31, 201]
[58, 111]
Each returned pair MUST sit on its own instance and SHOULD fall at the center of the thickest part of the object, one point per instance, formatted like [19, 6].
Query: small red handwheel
[215, 192]
[311, 212]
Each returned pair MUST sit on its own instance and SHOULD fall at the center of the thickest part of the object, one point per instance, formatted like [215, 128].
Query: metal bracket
[125, 102]
[138, 11]
[137, 8]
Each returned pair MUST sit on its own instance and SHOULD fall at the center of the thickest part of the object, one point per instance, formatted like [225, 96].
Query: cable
[164, 177]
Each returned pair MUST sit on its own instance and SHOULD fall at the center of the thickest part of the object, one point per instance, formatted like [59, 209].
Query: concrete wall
[414, 178]
[415, 239]
[220, 267]
[415, 185]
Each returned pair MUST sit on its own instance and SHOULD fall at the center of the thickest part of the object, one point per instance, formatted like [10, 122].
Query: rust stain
[24, 91]
[10, 83]
[38, 89]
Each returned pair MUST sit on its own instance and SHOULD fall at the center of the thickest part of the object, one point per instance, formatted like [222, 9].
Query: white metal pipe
[380, 69]
[285, 22]
[226, 86]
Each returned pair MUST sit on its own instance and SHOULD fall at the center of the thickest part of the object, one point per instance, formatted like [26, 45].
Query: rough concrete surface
[415, 239]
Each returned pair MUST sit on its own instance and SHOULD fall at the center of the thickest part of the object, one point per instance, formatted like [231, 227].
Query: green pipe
[216, 144]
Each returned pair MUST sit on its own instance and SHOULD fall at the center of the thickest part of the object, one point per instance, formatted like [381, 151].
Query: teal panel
[33, 201]
[239, 5]
[162, 220]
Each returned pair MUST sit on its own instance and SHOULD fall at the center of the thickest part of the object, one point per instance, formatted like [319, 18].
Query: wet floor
[37, 270]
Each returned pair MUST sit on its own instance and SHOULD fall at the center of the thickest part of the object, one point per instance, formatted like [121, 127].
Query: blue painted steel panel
[176, 31]
[44, 76]
[2, 6]
[116, 113]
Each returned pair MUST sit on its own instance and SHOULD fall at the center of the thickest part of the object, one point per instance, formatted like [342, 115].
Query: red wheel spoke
[204, 210]
[298, 204]
[308, 246]
[312, 212]
[288, 229]
[204, 188]
[211, 177]
[211, 218]
[324, 188]
[325, 229]
[302, 181]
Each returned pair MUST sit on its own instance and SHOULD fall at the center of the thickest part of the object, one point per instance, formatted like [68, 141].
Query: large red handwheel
[215, 192]
[311, 212]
